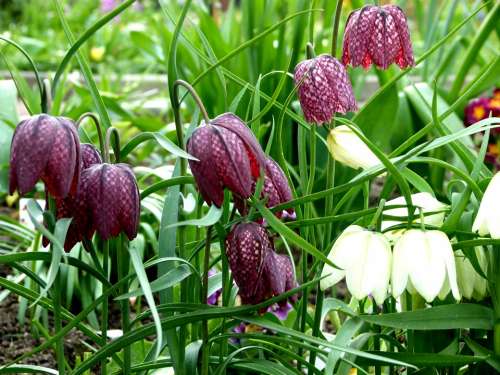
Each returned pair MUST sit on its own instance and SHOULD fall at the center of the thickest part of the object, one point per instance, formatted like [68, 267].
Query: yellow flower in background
[97, 53]
[347, 148]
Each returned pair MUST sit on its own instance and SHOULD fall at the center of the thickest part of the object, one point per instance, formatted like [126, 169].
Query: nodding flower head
[377, 35]
[229, 156]
[324, 88]
[276, 189]
[74, 204]
[46, 148]
[258, 271]
[111, 199]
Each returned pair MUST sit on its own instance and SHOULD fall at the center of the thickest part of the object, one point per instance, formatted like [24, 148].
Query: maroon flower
[46, 148]
[111, 198]
[228, 156]
[275, 189]
[324, 89]
[73, 206]
[377, 35]
[258, 271]
[477, 109]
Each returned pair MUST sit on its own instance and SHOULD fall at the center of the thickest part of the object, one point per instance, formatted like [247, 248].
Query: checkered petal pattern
[377, 35]
[229, 156]
[324, 89]
[258, 271]
[45, 148]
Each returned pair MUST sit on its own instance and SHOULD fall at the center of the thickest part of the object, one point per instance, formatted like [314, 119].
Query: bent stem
[204, 296]
[116, 145]
[97, 126]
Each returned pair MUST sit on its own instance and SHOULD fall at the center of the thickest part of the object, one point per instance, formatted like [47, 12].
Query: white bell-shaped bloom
[470, 283]
[424, 201]
[364, 259]
[347, 148]
[488, 217]
[423, 261]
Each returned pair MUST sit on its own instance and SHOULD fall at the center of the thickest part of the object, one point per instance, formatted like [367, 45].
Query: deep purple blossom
[324, 89]
[229, 156]
[47, 148]
[258, 271]
[377, 35]
[111, 199]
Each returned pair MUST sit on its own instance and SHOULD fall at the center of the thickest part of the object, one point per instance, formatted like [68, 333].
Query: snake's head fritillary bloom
[324, 89]
[112, 199]
[276, 190]
[258, 271]
[377, 35]
[229, 156]
[46, 148]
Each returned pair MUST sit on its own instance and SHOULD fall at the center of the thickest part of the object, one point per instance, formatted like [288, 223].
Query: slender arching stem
[94, 117]
[336, 22]
[310, 51]
[116, 145]
[46, 96]
[194, 94]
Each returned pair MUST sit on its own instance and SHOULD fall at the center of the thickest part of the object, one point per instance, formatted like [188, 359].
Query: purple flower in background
[281, 311]
[108, 5]
[377, 35]
[214, 297]
[324, 89]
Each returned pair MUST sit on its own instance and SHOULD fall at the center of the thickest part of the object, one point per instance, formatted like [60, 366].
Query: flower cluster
[417, 260]
[258, 270]
[99, 197]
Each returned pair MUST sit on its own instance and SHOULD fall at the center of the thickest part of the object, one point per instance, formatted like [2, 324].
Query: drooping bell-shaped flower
[423, 262]
[324, 89]
[364, 258]
[258, 271]
[229, 156]
[487, 220]
[47, 148]
[276, 189]
[377, 35]
[111, 199]
[422, 201]
[470, 283]
[347, 148]
[73, 206]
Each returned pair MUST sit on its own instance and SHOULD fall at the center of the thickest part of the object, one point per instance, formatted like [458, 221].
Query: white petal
[399, 274]
[426, 266]
[487, 219]
[442, 244]
[465, 274]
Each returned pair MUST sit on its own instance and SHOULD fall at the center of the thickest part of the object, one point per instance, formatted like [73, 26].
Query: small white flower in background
[423, 262]
[364, 259]
[347, 148]
[24, 217]
[424, 201]
[488, 217]
[470, 283]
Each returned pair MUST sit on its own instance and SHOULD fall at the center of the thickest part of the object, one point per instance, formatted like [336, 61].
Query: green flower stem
[336, 22]
[123, 269]
[112, 132]
[205, 351]
[104, 317]
[58, 322]
[494, 287]
[97, 126]
[316, 326]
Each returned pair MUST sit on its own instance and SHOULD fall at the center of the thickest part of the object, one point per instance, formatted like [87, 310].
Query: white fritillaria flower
[364, 259]
[425, 201]
[488, 217]
[470, 283]
[347, 148]
[423, 262]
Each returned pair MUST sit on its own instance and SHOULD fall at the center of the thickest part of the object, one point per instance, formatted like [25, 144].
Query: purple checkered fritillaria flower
[73, 206]
[111, 199]
[229, 156]
[258, 271]
[377, 35]
[276, 189]
[324, 89]
[47, 148]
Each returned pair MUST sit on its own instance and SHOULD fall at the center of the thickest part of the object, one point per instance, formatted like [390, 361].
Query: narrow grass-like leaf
[163, 141]
[213, 215]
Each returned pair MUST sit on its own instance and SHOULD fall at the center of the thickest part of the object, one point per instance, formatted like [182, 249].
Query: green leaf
[163, 141]
[148, 293]
[213, 215]
[466, 316]
[27, 369]
[8, 115]
[426, 359]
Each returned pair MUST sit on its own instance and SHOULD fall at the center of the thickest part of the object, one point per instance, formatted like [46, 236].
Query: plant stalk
[97, 126]
[123, 267]
[204, 296]
[336, 23]
[58, 323]
[104, 318]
